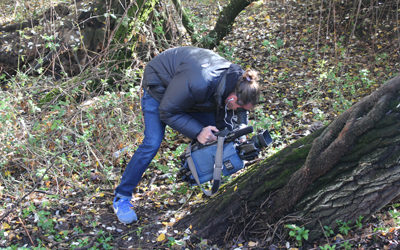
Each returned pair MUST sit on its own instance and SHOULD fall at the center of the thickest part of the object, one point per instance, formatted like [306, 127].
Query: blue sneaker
[123, 208]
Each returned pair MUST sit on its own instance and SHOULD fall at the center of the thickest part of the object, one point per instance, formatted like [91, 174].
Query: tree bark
[187, 23]
[348, 169]
[223, 26]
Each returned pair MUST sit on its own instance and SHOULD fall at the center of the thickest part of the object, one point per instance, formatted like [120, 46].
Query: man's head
[233, 103]
[246, 93]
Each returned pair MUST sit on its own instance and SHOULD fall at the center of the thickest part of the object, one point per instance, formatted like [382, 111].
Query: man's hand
[206, 135]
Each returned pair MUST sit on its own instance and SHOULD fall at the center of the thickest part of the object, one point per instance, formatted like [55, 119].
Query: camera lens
[262, 140]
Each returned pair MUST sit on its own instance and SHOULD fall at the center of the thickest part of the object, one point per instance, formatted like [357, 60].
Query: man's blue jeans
[153, 136]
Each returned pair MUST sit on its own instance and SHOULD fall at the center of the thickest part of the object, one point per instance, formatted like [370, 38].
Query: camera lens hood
[265, 139]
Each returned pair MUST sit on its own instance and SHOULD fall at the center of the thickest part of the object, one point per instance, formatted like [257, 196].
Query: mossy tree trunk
[225, 21]
[223, 26]
[348, 169]
[186, 21]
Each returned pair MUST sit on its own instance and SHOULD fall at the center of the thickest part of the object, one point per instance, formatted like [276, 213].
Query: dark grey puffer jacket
[186, 79]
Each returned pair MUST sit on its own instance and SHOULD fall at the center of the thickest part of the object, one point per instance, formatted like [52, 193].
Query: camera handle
[232, 135]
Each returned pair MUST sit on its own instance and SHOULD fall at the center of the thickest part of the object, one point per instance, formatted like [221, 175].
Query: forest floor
[309, 76]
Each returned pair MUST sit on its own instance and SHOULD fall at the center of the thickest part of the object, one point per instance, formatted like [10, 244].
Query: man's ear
[231, 97]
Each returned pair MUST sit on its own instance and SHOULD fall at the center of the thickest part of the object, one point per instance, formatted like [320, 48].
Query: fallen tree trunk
[65, 40]
[52, 43]
[61, 10]
[348, 169]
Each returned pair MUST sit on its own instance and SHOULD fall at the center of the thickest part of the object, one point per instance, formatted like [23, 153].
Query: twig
[19, 201]
[255, 215]
[117, 26]
[27, 232]
[397, 19]
[323, 231]
[319, 24]
[355, 20]
[190, 196]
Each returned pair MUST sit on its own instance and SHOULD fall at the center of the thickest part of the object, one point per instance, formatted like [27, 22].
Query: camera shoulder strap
[217, 167]
[218, 164]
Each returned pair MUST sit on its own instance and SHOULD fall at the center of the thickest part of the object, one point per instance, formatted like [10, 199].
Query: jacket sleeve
[178, 98]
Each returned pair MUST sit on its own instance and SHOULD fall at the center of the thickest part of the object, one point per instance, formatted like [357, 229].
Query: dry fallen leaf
[161, 237]
[252, 244]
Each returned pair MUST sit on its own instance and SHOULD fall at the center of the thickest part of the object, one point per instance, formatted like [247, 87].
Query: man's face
[233, 103]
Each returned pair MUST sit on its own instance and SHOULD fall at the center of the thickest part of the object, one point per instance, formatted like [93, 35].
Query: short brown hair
[247, 89]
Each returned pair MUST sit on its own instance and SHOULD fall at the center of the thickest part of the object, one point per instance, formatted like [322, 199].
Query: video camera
[236, 150]
[248, 149]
